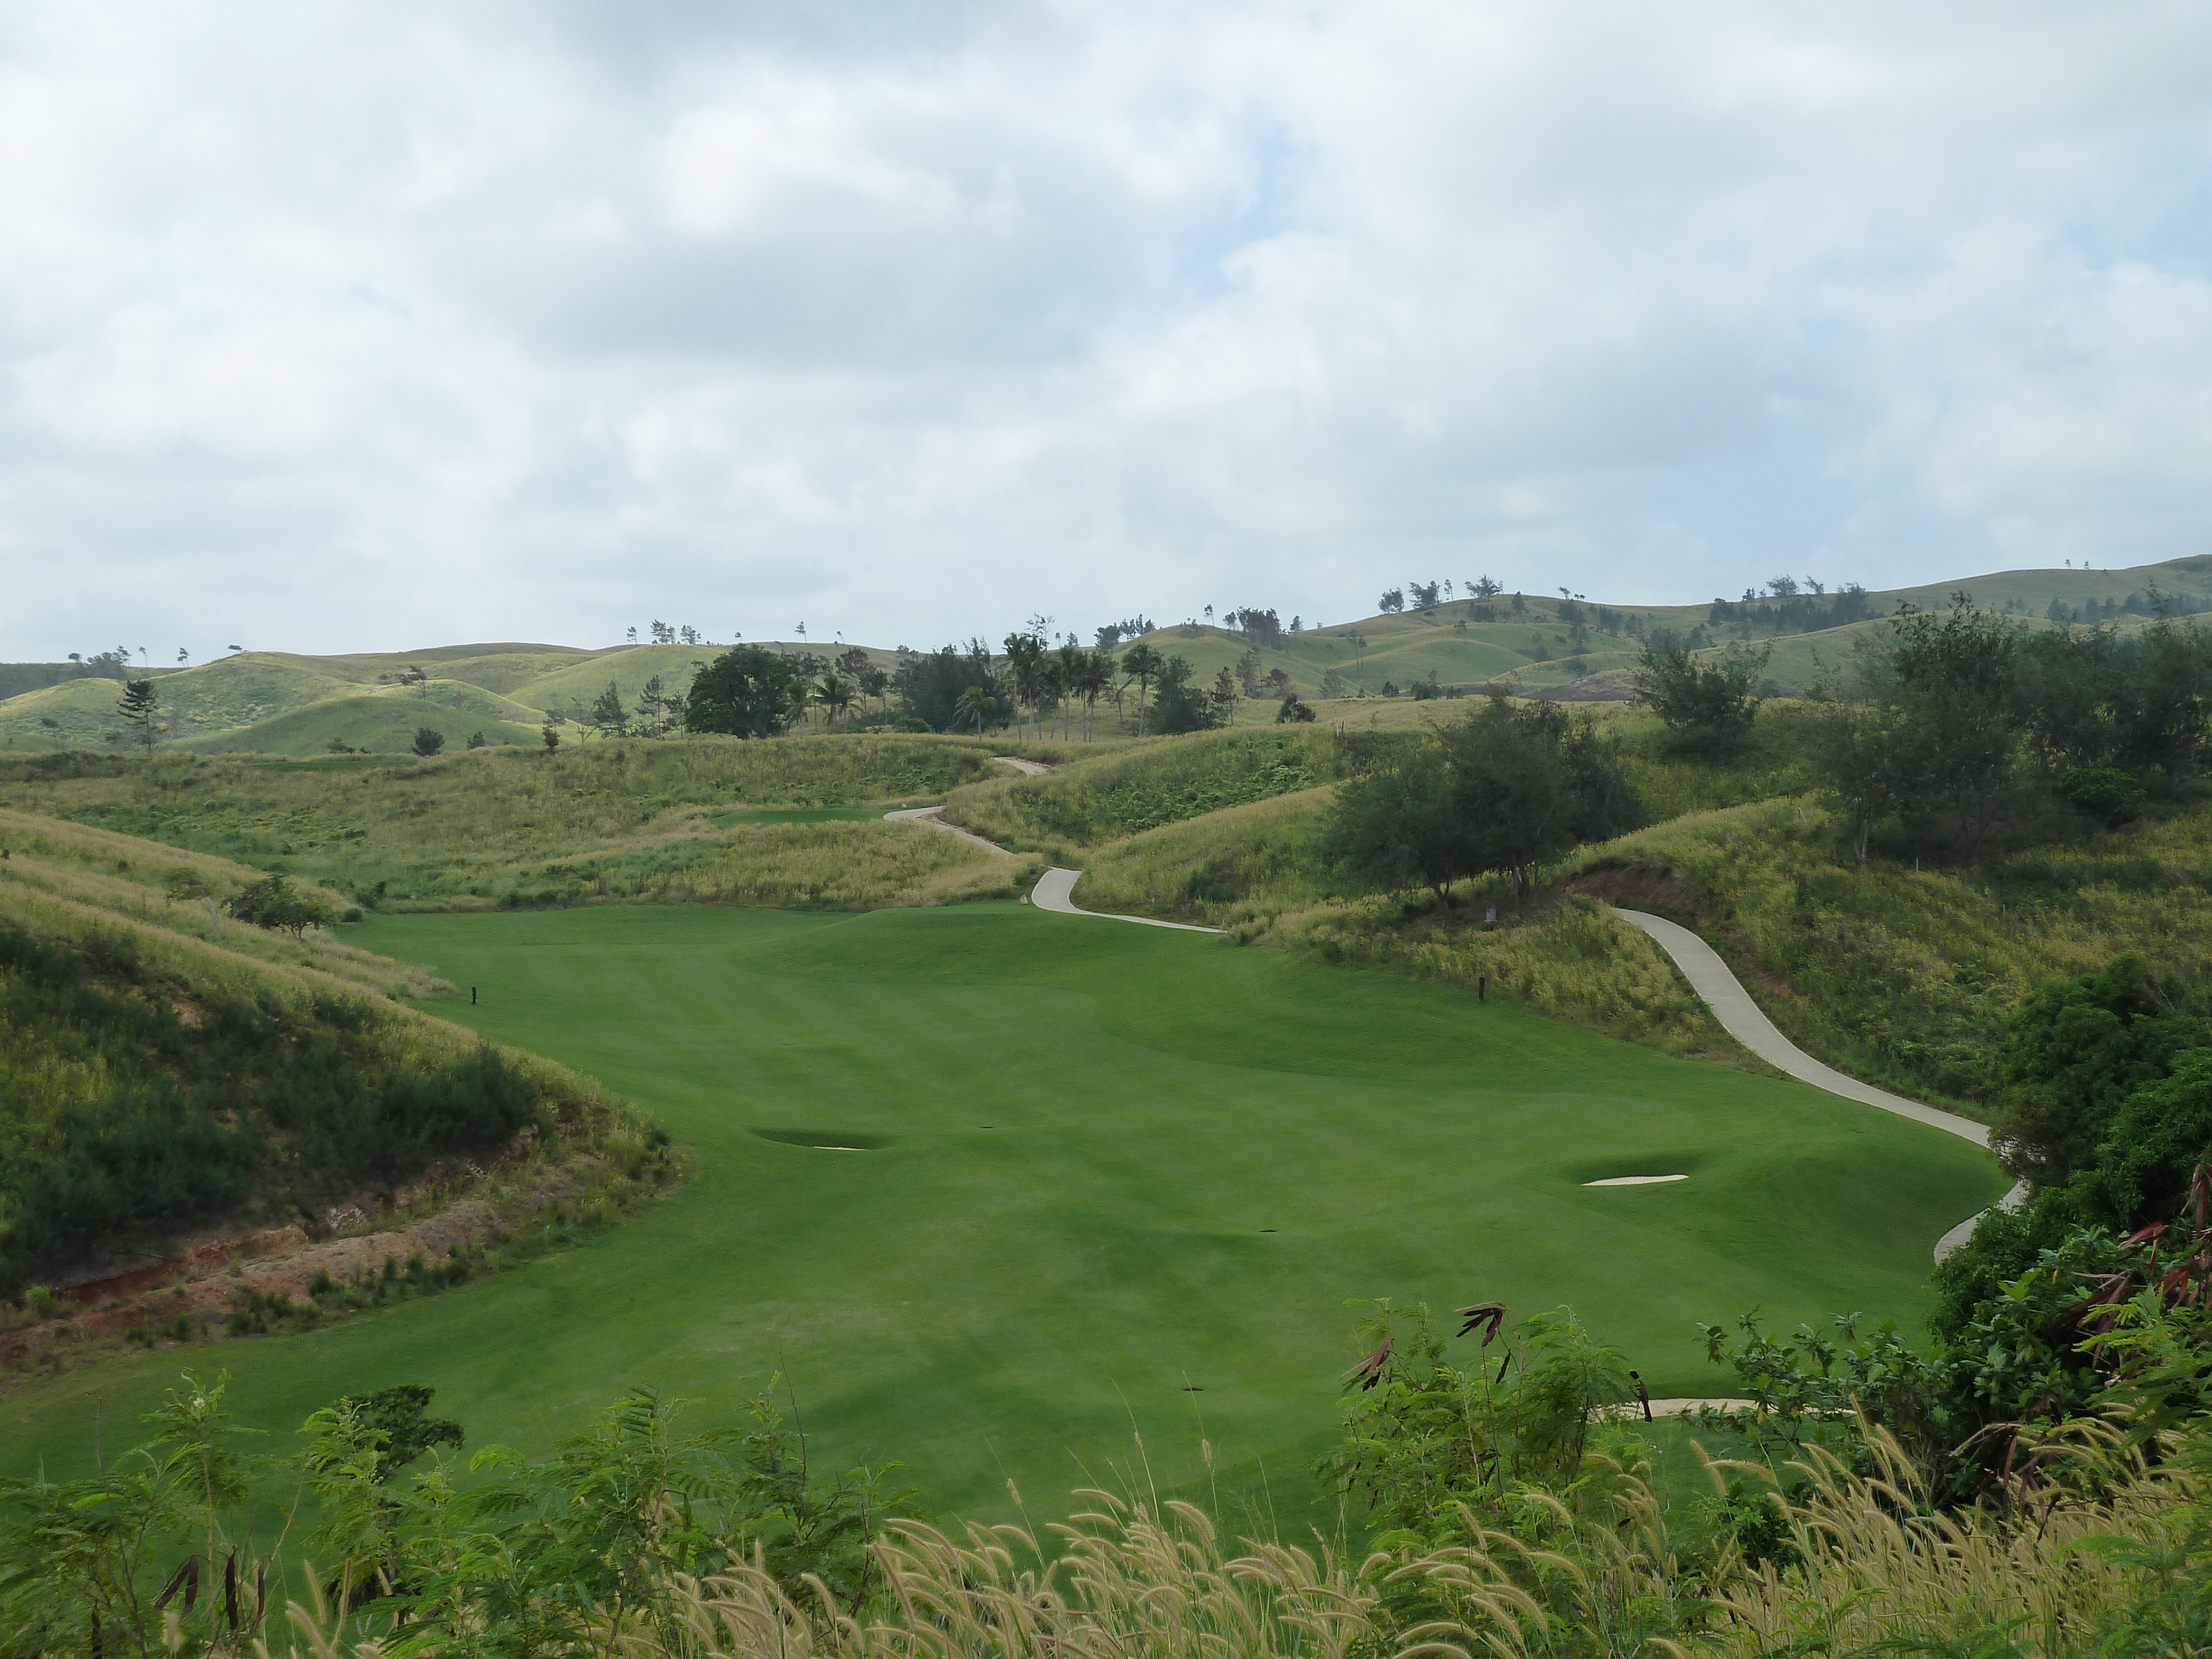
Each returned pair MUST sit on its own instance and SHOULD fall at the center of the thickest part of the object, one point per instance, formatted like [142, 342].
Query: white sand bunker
[1634, 1181]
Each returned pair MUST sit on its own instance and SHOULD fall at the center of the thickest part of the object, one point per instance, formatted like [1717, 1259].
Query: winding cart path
[1744, 1020]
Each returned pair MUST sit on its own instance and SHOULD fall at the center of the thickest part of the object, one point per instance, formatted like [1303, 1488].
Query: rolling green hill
[260, 701]
[383, 721]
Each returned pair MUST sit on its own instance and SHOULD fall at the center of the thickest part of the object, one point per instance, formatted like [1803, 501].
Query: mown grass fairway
[1109, 1164]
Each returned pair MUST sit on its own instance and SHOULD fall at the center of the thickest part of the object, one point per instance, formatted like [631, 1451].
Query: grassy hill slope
[603, 819]
[168, 1067]
[384, 720]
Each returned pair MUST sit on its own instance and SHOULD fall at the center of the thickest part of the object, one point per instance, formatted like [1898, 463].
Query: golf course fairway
[1111, 1178]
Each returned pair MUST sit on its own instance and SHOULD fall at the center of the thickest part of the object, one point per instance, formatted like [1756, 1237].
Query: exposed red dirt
[1641, 887]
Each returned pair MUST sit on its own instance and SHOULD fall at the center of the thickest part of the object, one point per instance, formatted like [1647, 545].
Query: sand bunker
[1634, 1181]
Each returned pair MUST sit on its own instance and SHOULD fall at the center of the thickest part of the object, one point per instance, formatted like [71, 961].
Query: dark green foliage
[608, 717]
[1503, 791]
[2106, 793]
[475, 740]
[2156, 1141]
[1178, 705]
[929, 683]
[429, 740]
[1294, 712]
[745, 692]
[400, 1416]
[1963, 728]
[2077, 1051]
[274, 902]
[1707, 706]
[120, 1122]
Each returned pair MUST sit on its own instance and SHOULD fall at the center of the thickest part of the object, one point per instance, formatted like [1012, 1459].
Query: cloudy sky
[331, 327]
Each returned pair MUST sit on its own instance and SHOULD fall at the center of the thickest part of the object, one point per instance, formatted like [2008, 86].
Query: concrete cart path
[1744, 1020]
[927, 816]
[1056, 890]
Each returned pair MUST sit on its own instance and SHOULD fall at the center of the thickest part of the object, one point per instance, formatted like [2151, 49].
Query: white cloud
[348, 326]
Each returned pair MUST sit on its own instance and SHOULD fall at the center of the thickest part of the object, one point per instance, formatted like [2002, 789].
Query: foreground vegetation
[1508, 1511]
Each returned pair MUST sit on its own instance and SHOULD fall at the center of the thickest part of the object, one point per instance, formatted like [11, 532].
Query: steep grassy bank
[166, 1070]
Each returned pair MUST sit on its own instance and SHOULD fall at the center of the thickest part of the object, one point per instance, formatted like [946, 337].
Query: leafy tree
[1707, 706]
[2076, 1052]
[657, 707]
[745, 692]
[475, 740]
[1393, 599]
[1949, 679]
[1503, 791]
[930, 683]
[275, 903]
[607, 713]
[550, 737]
[1333, 684]
[1293, 711]
[2106, 793]
[834, 693]
[139, 708]
[1224, 696]
[1178, 706]
[1853, 746]
[429, 740]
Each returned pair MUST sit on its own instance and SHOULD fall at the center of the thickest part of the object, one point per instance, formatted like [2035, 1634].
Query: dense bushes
[132, 1104]
[1960, 730]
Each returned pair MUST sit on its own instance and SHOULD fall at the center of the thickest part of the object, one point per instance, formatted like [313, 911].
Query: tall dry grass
[2100, 1567]
[125, 880]
[458, 828]
[1569, 957]
[836, 866]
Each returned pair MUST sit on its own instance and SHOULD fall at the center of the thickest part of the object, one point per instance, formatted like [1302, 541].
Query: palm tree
[1141, 664]
[1067, 681]
[1096, 675]
[1025, 668]
[834, 692]
[978, 702]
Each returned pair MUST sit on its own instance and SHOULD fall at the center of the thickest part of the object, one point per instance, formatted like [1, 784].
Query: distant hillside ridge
[502, 694]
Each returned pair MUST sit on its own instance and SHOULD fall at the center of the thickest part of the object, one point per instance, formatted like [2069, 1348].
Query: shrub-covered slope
[153, 1077]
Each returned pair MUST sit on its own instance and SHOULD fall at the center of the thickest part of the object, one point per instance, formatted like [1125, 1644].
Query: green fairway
[1110, 1176]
